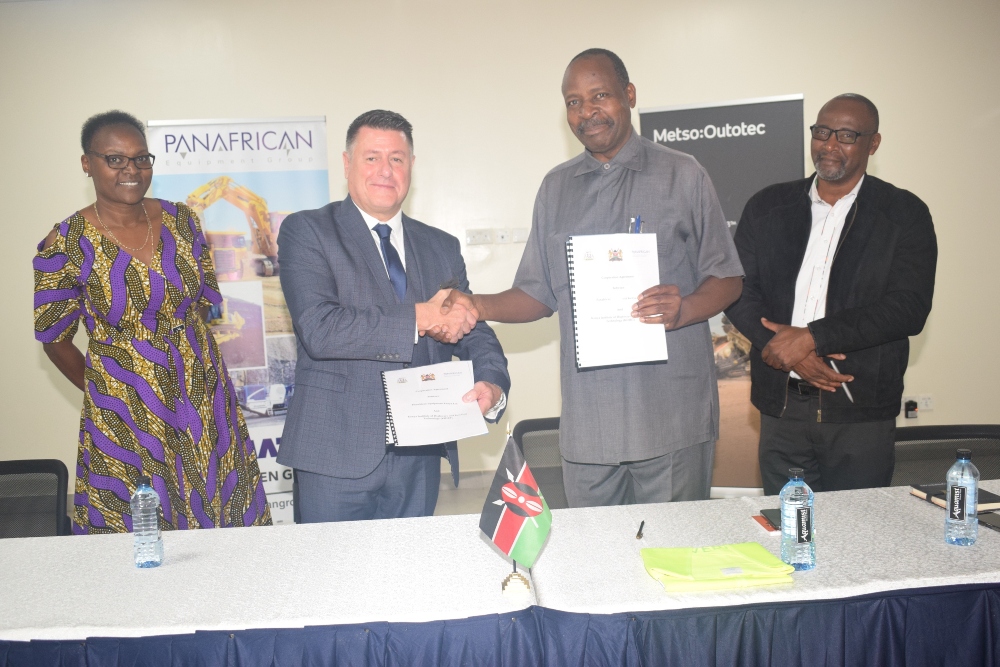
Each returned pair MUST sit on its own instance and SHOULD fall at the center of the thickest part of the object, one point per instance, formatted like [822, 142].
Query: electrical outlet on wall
[502, 235]
[925, 402]
[478, 236]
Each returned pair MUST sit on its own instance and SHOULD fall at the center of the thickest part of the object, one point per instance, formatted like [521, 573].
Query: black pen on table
[638, 535]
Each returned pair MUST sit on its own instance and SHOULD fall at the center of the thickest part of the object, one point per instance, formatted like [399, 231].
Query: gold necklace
[149, 230]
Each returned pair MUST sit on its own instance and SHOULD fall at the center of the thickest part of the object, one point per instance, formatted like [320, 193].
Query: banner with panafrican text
[242, 178]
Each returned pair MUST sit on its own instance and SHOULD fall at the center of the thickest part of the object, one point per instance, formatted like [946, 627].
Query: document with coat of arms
[607, 273]
[425, 407]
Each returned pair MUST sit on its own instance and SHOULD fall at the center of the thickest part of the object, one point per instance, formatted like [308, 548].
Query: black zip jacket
[880, 291]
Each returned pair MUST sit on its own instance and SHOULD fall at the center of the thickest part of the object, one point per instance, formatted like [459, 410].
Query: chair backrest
[539, 440]
[33, 498]
[924, 453]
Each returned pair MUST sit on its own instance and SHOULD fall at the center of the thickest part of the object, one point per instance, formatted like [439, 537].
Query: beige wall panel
[480, 82]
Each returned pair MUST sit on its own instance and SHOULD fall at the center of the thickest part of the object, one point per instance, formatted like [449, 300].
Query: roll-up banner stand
[242, 178]
[745, 145]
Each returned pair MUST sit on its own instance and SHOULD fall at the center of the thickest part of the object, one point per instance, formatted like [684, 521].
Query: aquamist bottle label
[956, 503]
[803, 525]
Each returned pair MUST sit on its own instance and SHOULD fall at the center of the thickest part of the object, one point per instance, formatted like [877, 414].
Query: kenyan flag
[515, 515]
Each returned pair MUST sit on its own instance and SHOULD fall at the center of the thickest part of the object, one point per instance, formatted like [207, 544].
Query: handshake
[448, 316]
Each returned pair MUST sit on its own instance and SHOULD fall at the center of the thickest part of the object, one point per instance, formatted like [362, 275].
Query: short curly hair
[98, 122]
[620, 72]
[869, 105]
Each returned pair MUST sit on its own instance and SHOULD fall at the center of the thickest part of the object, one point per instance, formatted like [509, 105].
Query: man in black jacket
[839, 273]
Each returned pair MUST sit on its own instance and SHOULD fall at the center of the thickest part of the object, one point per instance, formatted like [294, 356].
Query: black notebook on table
[935, 493]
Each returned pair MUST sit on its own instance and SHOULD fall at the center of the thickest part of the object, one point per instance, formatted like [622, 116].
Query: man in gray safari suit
[363, 284]
[635, 433]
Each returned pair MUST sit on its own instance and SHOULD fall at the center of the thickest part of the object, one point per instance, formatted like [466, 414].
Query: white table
[867, 541]
[437, 570]
[424, 569]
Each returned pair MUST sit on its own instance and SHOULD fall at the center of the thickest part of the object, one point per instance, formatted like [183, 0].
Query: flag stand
[515, 583]
[515, 516]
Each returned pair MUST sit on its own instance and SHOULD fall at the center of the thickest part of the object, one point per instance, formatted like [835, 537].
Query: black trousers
[834, 456]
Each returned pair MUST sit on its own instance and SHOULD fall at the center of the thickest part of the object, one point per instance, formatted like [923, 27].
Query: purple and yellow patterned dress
[158, 397]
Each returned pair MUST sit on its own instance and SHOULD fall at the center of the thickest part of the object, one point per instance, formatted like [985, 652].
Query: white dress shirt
[814, 274]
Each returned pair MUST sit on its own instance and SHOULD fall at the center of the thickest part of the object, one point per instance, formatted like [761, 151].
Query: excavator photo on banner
[230, 254]
[247, 271]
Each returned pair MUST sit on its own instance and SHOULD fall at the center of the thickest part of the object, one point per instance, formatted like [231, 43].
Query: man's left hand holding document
[439, 403]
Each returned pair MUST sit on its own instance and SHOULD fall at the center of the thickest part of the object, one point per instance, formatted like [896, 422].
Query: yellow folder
[686, 569]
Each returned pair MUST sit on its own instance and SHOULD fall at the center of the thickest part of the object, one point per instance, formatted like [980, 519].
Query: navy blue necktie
[393, 264]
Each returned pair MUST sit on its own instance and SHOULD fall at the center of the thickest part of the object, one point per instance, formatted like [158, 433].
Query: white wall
[480, 82]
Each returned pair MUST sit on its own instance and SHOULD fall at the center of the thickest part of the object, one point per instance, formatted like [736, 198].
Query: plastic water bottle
[148, 544]
[798, 544]
[961, 525]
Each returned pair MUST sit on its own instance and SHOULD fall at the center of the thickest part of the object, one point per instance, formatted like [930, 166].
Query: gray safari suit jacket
[350, 326]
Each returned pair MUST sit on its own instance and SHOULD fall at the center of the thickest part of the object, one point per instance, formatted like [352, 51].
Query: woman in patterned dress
[157, 398]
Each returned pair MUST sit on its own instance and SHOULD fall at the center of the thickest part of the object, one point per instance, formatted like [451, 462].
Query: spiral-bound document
[607, 273]
[425, 407]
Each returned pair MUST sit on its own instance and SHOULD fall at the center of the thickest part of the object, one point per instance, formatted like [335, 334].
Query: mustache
[585, 125]
[828, 154]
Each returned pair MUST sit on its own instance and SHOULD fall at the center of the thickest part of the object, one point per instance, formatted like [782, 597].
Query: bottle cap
[965, 454]
[795, 472]
[144, 479]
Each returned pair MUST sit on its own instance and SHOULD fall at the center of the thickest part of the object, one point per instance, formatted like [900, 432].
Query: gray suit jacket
[350, 326]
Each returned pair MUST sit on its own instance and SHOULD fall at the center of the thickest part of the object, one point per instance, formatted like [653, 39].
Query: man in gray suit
[363, 285]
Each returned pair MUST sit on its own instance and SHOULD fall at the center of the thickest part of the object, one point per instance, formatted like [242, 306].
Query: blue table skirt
[955, 625]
